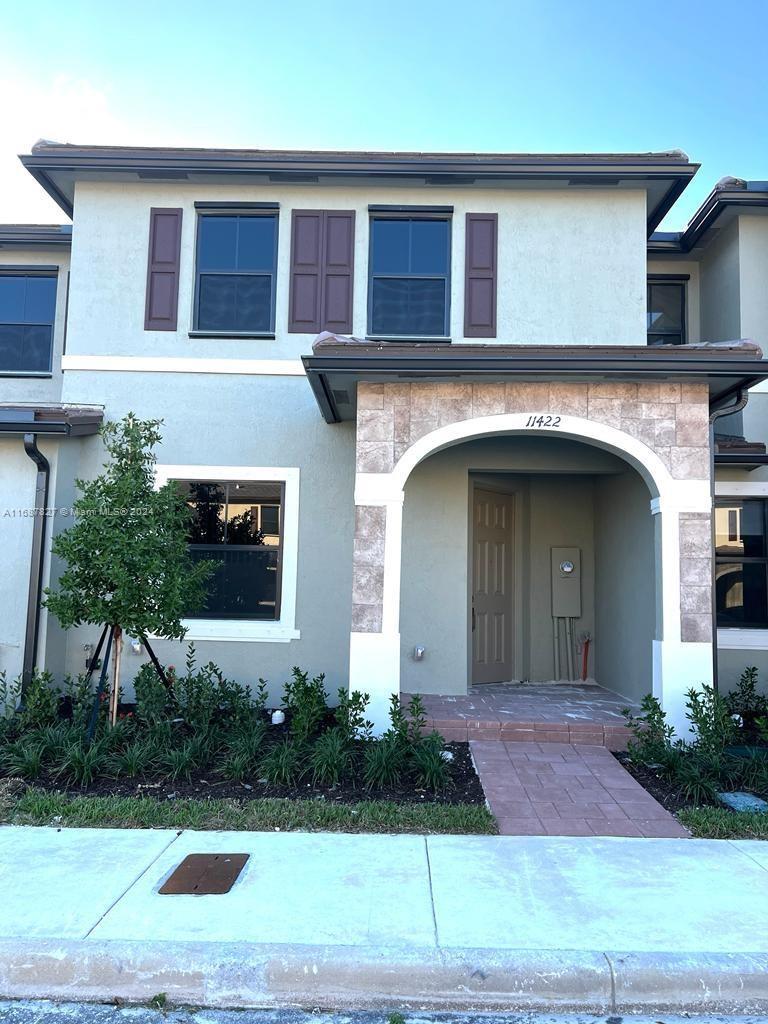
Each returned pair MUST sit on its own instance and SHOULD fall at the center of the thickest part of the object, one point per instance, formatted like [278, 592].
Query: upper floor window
[409, 271]
[27, 314]
[666, 312]
[238, 525]
[235, 277]
[741, 562]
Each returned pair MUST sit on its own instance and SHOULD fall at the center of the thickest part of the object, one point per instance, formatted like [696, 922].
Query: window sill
[26, 374]
[409, 340]
[737, 638]
[231, 334]
[242, 630]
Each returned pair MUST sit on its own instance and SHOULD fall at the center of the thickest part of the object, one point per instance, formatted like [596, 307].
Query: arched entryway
[678, 500]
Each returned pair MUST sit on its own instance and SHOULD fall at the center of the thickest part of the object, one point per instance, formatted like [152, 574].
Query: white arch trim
[682, 495]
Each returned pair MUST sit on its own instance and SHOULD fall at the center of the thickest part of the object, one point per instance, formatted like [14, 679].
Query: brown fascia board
[729, 193]
[57, 420]
[454, 168]
[35, 236]
[736, 367]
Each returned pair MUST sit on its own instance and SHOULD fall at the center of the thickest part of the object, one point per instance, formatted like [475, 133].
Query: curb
[349, 977]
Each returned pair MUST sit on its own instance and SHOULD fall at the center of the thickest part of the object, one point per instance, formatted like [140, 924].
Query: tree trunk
[114, 696]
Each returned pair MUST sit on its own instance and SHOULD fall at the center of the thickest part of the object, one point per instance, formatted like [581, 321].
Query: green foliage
[24, 758]
[430, 767]
[180, 762]
[384, 763]
[9, 696]
[236, 766]
[745, 701]
[40, 702]
[151, 696]
[350, 715]
[653, 736]
[283, 765]
[82, 763]
[710, 718]
[719, 823]
[138, 758]
[127, 560]
[306, 703]
[331, 757]
[79, 695]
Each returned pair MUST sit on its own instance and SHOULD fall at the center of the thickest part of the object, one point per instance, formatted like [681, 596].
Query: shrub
[331, 757]
[137, 759]
[282, 765]
[745, 701]
[40, 702]
[249, 742]
[383, 762]
[307, 704]
[653, 736]
[695, 780]
[151, 696]
[431, 770]
[81, 763]
[24, 758]
[350, 715]
[197, 693]
[77, 701]
[711, 720]
[179, 762]
[236, 767]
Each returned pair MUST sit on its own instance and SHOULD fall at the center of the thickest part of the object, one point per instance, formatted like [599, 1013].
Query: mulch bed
[666, 793]
[465, 788]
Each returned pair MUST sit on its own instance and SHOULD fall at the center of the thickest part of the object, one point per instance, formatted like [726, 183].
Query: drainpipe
[741, 400]
[36, 561]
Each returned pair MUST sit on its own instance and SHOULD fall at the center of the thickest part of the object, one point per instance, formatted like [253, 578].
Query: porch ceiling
[338, 364]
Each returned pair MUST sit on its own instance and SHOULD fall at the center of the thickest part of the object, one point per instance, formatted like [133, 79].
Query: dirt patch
[666, 793]
[465, 787]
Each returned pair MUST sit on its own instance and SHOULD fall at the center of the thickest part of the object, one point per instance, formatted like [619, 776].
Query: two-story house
[441, 418]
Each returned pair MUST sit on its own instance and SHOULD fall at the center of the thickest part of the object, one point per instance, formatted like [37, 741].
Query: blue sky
[538, 76]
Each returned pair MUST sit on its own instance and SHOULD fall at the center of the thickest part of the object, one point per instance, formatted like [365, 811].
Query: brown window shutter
[306, 281]
[480, 276]
[161, 309]
[338, 271]
[322, 271]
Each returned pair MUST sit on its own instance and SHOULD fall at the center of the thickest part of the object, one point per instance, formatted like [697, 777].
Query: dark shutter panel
[480, 276]
[338, 271]
[161, 309]
[305, 299]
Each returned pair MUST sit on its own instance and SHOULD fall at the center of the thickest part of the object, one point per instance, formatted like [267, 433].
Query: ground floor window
[741, 562]
[238, 524]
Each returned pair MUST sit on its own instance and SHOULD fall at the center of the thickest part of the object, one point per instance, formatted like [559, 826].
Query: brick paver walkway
[564, 789]
[561, 713]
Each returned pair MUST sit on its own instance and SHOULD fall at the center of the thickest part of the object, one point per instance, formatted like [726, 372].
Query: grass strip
[720, 823]
[37, 807]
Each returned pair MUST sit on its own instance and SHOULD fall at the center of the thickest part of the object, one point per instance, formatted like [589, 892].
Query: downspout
[742, 397]
[36, 561]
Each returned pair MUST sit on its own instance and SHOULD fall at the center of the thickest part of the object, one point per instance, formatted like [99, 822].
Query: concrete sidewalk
[603, 925]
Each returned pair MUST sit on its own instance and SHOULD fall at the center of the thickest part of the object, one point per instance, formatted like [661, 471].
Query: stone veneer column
[669, 420]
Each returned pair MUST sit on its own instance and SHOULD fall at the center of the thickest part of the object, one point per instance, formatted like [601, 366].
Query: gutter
[31, 635]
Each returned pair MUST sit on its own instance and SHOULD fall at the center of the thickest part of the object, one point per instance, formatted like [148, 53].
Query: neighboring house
[439, 416]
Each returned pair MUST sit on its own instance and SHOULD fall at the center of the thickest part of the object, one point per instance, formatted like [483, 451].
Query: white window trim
[732, 638]
[741, 488]
[283, 629]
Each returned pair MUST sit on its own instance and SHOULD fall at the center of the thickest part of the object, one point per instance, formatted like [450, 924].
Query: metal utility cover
[205, 874]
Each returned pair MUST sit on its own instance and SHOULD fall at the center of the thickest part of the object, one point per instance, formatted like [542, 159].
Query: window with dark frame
[27, 316]
[666, 312]
[238, 525]
[741, 562]
[235, 273]
[409, 276]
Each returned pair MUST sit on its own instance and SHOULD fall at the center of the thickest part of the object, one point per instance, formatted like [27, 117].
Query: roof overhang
[60, 421]
[35, 236]
[727, 200]
[337, 366]
[663, 176]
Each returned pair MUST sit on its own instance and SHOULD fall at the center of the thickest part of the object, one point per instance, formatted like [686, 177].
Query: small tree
[128, 564]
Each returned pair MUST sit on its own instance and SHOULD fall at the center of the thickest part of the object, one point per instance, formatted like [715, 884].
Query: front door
[492, 587]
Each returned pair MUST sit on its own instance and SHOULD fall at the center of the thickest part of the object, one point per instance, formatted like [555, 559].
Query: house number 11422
[543, 421]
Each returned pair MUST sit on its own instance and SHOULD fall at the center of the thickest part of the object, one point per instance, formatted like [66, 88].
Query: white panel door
[492, 587]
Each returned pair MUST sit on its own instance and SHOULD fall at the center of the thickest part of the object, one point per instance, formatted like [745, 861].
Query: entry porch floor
[530, 712]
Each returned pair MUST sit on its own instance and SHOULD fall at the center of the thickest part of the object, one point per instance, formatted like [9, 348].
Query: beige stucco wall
[720, 287]
[571, 264]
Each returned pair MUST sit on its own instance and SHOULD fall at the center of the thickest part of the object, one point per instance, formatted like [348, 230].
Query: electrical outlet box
[566, 583]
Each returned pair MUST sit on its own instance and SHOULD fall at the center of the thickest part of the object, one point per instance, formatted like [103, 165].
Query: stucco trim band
[173, 364]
